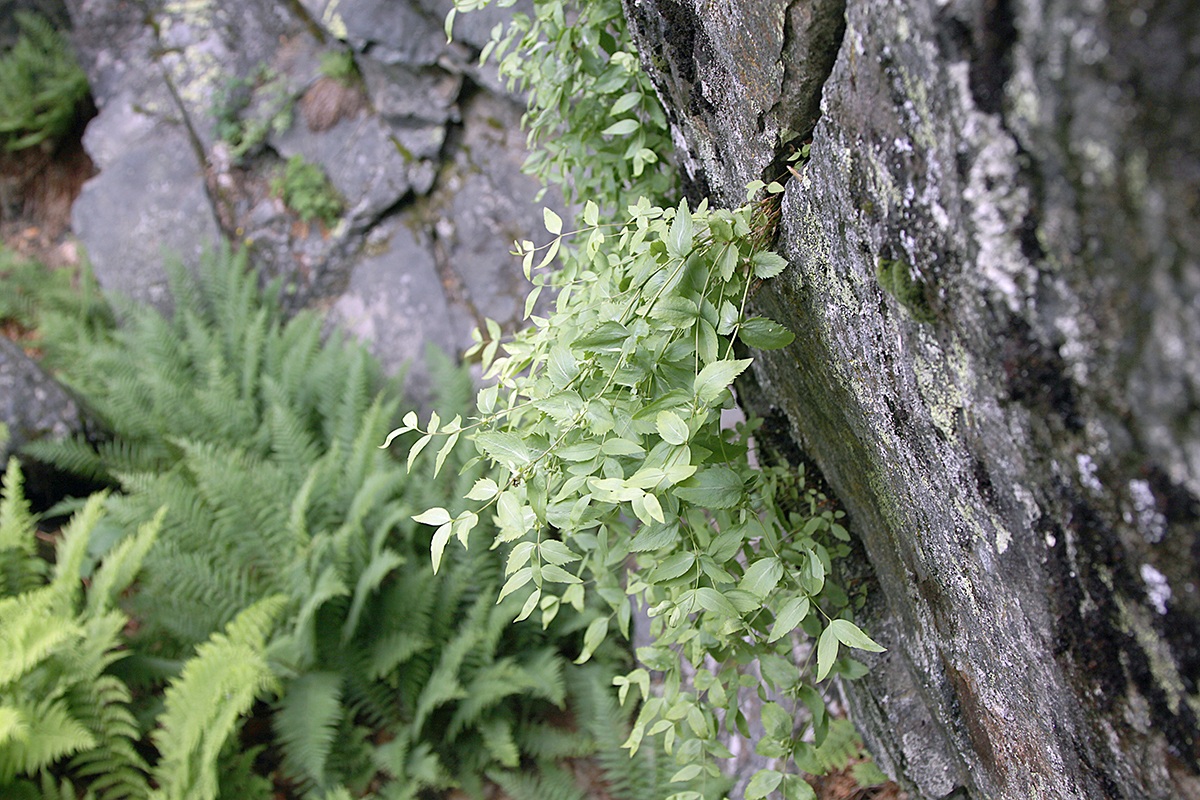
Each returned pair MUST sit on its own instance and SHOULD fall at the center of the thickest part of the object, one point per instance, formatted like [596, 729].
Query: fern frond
[306, 723]
[840, 747]
[25, 638]
[487, 688]
[114, 767]
[626, 777]
[549, 783]
[20, 569]
[368, 581]
[122, 564]
[52, 733]
[17, 522]
[204, 704]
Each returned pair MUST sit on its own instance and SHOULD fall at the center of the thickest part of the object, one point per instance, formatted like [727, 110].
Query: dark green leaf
[762, 333]
[712, 487]
[768, 264]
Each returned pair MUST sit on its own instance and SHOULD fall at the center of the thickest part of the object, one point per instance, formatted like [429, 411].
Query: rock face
[995, 284]
[33, 406]
[203, 103]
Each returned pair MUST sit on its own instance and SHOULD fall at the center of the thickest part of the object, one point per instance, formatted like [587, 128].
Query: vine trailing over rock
[611, 472]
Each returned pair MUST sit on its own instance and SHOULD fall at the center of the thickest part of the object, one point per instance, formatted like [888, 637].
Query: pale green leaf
[483, 490]
[789, 617]
[762, 576]
[519, 556]
[653, 508]
[434, 516]
[506, 448]
[622, 127]
[555, 552]
[438, 545]
[673, 567]
[712, 379]
[531, 603]
[621, 447]
[850, 635]
[416, 450]
[445, 451]
[553, 221]
[592, 638]
[679, 239]
[515, 581]
[827, 648]
[556, 574]
[624, 103]
[763, 783]
[712, 600]
[687, 773]
[608, 337]
[671, 428]
[463, 525]
[561, 366]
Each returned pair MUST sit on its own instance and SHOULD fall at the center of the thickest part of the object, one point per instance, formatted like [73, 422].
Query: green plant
[248, 109]
[62, 712]
[604, 437]
[260, 439]
[307, 191]
[595, 126]
[339, 65]
[895, 277]
[41, 86]
[59, 307]
[610, 473]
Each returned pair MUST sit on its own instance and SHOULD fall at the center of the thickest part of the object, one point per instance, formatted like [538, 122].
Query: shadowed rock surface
[1013, 422]
[202, 104]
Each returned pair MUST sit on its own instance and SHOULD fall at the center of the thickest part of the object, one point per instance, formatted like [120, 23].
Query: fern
[306, 723]
[20, 569]
[204, 705]
[261, 440]
[41, 86]
[60, 709]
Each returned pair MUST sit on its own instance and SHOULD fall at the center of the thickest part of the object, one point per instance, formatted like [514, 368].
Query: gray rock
[995, 284]
[33, 405]
[149, 203]
[397, 305]
[483, 204]
[393, 33]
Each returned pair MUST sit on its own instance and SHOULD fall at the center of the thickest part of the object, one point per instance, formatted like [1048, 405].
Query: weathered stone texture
[1014, 425]
[425, 151]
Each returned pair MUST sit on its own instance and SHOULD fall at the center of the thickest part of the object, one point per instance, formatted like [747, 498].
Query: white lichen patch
[1158, 591]
[1003, 539]
[1151, 523]
[998, 205]
[1087, 472]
